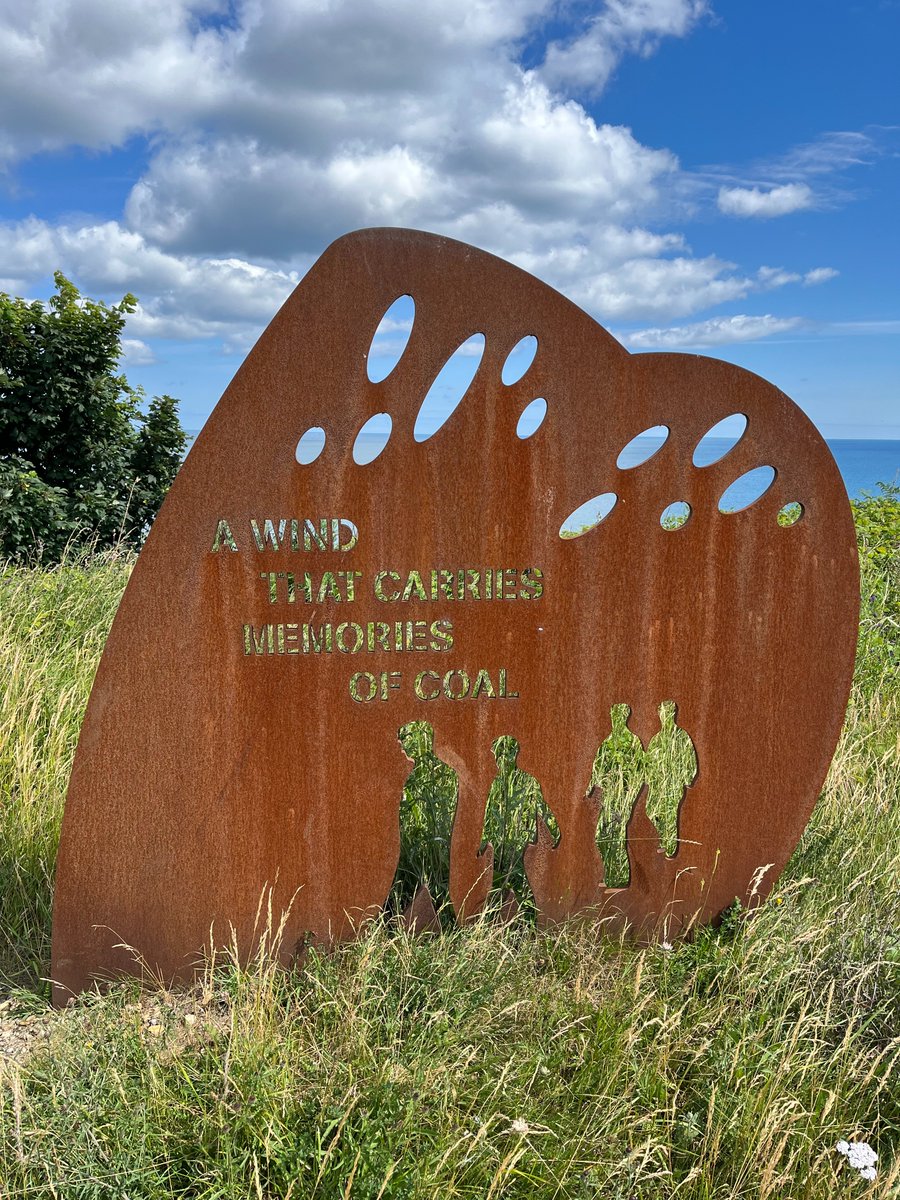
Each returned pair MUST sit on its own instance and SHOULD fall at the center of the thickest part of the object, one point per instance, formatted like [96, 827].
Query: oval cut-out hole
[716, 442]
[519, 359]
[790, 514]
[532, 418]
[390, 339]
[451, 384]
[747, 489]
[642, 448]
[588, 515]
[311, 445]
[675, 515]
[372, 438]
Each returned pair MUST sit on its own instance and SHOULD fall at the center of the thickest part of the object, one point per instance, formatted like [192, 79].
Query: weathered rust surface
[205, 775]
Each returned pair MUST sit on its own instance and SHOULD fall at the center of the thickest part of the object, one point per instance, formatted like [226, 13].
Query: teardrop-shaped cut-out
[675, 515]
[310, 445]
[588, 515]
[642, 448]
[372, 438]
[390, 339]
[532, 418]
[747, 489]
[716, 442]
[451, 384]
[790, 514]
[519, 359]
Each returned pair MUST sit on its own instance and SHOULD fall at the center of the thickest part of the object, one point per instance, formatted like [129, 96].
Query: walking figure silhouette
[514, 802]
[427, 809]
[618, 771]
[671, 768]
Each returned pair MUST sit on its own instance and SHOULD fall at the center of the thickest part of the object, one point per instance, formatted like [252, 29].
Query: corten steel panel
[205, 775]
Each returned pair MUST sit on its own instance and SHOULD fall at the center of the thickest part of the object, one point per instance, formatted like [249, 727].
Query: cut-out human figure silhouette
[514, 802]
[671, 768]
[618, 771]
[427, 809]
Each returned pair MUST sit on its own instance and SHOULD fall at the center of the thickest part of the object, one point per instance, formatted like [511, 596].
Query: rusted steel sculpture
[285, 621]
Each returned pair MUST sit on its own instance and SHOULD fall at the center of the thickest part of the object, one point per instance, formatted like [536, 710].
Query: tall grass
[53, 624]
[488, 1062]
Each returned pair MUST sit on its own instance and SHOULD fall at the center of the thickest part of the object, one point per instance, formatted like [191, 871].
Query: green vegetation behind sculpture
[514, 803]
[82, 459]
[671, 768]
[426, 820]
[622, 767]
[618, 772]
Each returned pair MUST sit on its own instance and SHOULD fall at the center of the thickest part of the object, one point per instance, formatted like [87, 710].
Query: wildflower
[666, 946]
[860, 1156]
[519, 1126]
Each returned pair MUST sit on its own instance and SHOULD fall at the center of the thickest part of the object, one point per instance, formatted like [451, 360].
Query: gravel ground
[22, 1033]
[173, 1019]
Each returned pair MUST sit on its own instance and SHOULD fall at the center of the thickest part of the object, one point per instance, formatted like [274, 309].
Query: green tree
[83, 459]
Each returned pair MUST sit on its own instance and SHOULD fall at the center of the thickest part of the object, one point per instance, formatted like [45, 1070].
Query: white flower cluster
[861, 1156]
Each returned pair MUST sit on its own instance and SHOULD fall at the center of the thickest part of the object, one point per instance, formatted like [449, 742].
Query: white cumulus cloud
[718, 331]
[183, 296]
[586, 59]
[819, 275]
[136, 353]
[266, 128]
[773, 277]
[757, 202]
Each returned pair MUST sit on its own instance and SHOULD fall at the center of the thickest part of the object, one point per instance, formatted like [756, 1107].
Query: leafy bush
[80, 459]
[877, 520]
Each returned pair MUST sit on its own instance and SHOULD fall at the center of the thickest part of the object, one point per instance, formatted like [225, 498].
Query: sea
[863, 465]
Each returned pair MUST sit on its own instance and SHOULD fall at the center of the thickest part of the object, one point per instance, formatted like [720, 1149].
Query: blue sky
[700, 175]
